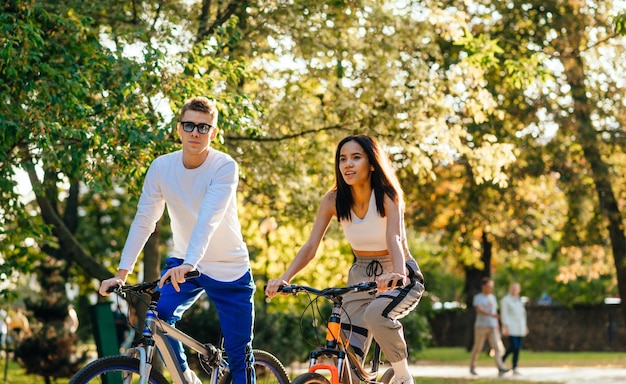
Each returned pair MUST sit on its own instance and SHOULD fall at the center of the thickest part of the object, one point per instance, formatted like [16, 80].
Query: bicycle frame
[135, 364]
[162, 332]
[156, 334]
[337, 345]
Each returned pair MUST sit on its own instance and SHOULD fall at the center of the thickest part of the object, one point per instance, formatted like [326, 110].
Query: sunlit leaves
[526, 71]
[491, 161]
[481, 50]
[620, 24]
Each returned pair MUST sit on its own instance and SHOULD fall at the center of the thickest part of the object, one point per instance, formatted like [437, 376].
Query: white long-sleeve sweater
[513, 315]
[202, 206]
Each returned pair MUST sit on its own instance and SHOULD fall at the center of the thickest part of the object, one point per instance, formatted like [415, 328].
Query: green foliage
[51, 350]
[471, 102]
[63, 90]
[481, 50]
[90, 114]
[620, 24]
[416, 331]
[544, 276]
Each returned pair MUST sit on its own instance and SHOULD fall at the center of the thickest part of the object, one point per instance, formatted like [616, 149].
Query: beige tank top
[368, 233]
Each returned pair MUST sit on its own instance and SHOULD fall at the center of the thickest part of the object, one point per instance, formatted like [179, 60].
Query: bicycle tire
[387, 376]
[114, 367]
[269, 370]
[310, 378]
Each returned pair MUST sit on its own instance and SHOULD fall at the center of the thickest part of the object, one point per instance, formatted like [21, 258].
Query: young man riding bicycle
[198, 186]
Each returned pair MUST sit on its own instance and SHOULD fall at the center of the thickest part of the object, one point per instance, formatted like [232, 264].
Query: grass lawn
[459, 356]
[438, 380]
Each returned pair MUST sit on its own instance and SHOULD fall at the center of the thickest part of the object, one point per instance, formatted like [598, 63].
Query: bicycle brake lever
[114, 288]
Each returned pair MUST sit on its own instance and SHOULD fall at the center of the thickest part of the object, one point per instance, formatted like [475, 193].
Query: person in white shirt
[198, 185]
[513, 317]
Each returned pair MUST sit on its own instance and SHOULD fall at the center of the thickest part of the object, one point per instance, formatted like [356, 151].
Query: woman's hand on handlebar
[389, 281]
[272, 287]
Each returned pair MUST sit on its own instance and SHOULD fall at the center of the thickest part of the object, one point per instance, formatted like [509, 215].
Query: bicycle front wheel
[310, 378]
[387, 376]
[268, 370]
[114, 369]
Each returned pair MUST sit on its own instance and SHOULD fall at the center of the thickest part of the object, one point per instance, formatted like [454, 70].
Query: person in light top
[368, 202]
[513, 319]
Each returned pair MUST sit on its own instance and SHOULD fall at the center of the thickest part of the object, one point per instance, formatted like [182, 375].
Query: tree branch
[230, 9]
[76, 252]
[337, 127]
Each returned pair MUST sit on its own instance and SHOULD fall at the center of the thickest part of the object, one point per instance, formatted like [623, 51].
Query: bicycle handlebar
[333, 292]
[330, 293]
[147, 286]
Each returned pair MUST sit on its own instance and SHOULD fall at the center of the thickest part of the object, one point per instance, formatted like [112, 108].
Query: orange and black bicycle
[335, 362]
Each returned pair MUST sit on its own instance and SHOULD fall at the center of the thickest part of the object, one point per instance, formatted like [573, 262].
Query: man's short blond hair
[200, 104]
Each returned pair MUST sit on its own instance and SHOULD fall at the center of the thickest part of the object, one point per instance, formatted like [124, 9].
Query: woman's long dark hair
[383, 178]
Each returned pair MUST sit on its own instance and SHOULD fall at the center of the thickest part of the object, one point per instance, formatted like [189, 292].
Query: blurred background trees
[505, 120]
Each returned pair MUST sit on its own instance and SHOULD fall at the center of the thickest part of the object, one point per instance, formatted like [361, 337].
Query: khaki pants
[493, 336]
[366, 316]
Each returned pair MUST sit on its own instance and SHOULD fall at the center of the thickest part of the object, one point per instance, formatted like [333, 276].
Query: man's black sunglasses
[203, 128]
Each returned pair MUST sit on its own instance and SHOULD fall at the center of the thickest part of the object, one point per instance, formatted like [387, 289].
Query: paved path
[563, 375]
[567, 375]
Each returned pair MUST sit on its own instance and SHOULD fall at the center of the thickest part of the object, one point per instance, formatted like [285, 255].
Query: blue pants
[515, 345]
[234, 302]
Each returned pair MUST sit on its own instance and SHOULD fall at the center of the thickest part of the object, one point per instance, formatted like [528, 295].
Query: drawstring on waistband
[374, 268]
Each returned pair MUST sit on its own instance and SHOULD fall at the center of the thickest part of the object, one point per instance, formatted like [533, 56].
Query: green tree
[565, 127]
[457, 93]
[76, 114]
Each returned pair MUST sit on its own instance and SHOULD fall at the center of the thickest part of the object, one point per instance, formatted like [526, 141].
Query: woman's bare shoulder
[328, 201]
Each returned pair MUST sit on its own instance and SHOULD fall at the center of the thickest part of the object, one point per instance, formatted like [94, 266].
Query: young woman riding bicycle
[368, 202]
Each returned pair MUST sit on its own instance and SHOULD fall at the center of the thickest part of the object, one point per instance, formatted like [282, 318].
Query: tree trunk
[74, 250]
[600, 171]
[152, 256]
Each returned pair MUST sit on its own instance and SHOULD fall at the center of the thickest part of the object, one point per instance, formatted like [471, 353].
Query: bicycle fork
[333, 340]
[146, 351]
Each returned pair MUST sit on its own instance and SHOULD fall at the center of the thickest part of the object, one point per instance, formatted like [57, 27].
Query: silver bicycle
[135, 366]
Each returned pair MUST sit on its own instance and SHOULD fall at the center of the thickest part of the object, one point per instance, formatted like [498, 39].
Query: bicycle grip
[189, 275]
[283, 288]
[399, 283]
[192, 274]
[114, 288]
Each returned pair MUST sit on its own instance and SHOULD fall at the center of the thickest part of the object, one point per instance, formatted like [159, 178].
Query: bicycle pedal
[211, 360]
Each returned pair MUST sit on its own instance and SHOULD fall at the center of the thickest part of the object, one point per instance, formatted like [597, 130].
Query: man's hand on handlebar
[176, 275]
[106, 286]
